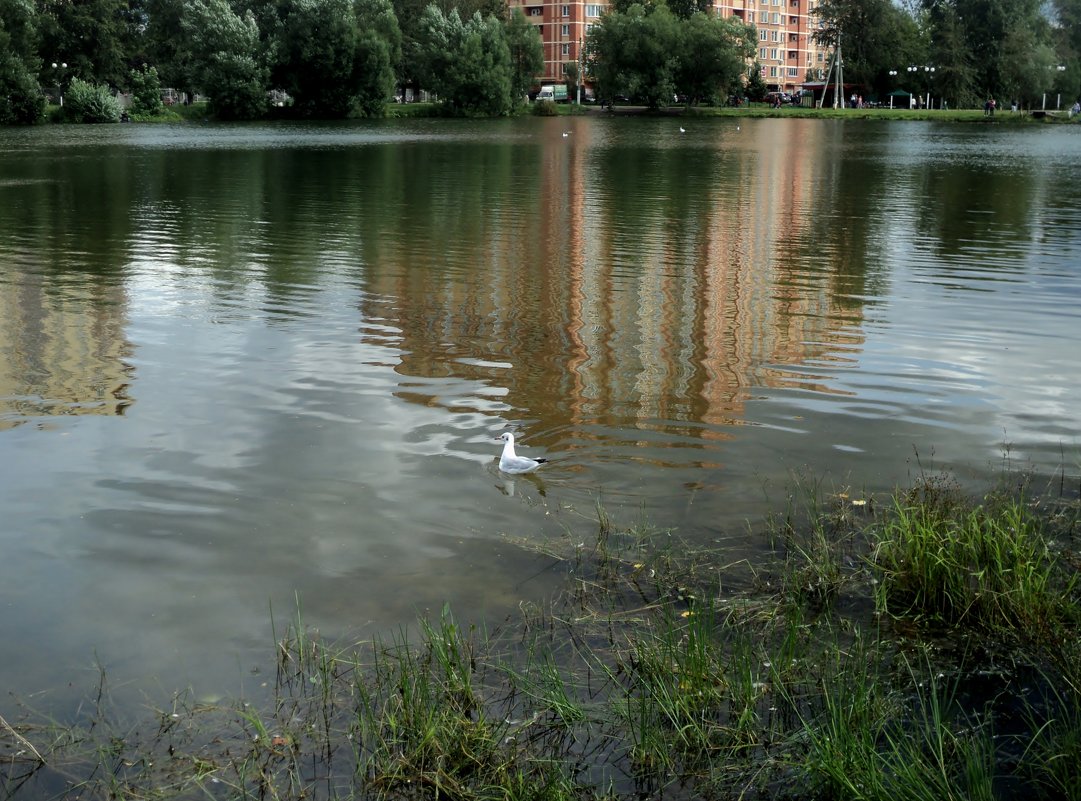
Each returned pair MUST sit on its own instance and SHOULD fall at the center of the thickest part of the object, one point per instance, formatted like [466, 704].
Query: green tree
[756, 87]
[94, 37]
[316, 56]
[526, 54]
[145, 91]
[636, 53]
[468, 65]
[955, 75]
[685, 9]
[875, 37]
[166, 48]
[1008, 43]
[410, 14]
[1066, 31]
[225, 58]
[713, 56]
[379, 51]
[21, 102]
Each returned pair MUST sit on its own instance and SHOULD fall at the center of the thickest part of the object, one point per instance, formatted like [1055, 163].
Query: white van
[547, 93]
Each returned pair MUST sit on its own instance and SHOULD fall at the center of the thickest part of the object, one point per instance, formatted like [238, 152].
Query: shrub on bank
[545, 108]
[86, 102]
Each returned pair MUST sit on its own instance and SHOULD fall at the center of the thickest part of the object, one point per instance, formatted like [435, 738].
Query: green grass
[845, 669]
[989, 566]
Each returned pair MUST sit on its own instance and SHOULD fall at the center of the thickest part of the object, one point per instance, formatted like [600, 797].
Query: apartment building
[786, 50]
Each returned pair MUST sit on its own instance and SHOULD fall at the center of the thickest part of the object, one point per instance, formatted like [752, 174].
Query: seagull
[566, 134]
[510, 462]
[682, 129]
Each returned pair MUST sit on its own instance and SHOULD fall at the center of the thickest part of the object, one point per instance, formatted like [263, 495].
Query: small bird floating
[510, 462]
[682, 129]
[566, 134]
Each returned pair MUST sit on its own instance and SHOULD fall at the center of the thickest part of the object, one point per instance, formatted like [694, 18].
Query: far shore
[198, 112]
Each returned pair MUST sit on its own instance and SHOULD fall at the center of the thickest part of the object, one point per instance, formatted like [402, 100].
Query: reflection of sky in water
[322, 348]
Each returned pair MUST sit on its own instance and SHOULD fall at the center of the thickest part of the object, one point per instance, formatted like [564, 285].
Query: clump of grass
[430, 731]
[870, 739]
[1053, 756]
[986, 566]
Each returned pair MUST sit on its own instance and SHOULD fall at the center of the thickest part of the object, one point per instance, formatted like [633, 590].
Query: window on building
[773, 72]
[820, 59]
[793, 72]
[762, 53]
[775, 18]
[750, 16]
[565, 11]
[536, 12]
[566, 49]
[773, 35]
[565, 30]
[762, 34]
[593, 10]
[773, 54]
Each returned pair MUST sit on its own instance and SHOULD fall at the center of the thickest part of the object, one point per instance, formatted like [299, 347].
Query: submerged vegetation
[927, 647]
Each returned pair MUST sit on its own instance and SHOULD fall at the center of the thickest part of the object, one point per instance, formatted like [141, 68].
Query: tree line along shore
[339, 58]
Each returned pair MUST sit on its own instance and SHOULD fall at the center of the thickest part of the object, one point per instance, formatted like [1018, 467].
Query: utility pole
[839, 93]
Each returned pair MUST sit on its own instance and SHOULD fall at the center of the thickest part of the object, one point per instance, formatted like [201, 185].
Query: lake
[244, 367]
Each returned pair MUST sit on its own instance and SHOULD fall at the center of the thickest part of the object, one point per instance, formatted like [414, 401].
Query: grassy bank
[924, 647]
[801, 112]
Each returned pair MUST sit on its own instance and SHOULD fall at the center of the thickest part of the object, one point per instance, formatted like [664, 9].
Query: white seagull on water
[510, 462]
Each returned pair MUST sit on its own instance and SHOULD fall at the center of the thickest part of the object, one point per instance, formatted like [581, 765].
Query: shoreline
[922, 645]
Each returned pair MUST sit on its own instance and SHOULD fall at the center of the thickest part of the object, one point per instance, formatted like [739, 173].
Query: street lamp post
[59, 67]
[893, 74]
[1058, 96]
[929, 72]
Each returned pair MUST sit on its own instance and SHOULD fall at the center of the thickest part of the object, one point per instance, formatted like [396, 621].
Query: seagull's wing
[519, 464]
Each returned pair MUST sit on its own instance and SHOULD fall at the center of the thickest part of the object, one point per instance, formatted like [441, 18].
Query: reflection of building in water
[721, 300]
[660, 299]
[63, 350]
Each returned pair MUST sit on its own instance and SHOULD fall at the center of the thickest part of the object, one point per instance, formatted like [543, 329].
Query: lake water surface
[241, 365]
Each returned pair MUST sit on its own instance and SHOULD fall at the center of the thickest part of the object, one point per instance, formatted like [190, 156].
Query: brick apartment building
[786, 51]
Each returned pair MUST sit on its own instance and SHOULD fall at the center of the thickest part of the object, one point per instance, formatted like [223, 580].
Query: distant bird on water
[566, 134]
[682, 129]
[510, 462]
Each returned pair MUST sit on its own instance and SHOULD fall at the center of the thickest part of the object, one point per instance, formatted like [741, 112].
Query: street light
[893, 74]
[929, 72]
[1058, 97]
[63, 65]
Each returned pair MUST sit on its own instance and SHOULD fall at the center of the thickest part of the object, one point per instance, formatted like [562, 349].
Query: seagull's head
[506, 436]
